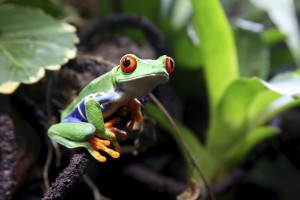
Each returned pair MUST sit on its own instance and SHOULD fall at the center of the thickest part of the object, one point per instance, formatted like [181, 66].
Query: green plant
[240, 107]
[30, 42]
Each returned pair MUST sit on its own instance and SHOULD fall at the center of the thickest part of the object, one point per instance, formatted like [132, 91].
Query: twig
[69, 177]
[187, 148]
[47, 165]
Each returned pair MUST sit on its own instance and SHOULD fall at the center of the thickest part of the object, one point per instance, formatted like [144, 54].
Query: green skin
[116, 89]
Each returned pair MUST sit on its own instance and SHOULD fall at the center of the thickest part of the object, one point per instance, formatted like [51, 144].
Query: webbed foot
[118, 132]
[134, 107]
[99, 144]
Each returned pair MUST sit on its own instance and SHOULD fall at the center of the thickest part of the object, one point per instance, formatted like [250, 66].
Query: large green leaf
[286, 83]
[219, 53]
[230, 122]
[257, 110]
[283, 15]
[30, 42]
[248, 103]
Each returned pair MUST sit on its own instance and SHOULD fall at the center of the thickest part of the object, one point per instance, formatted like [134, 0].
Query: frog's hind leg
[73, 135]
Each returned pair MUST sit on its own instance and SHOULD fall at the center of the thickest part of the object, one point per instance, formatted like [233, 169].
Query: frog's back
[103, 84]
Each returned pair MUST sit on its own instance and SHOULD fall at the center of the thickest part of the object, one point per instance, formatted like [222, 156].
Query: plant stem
[185, 145]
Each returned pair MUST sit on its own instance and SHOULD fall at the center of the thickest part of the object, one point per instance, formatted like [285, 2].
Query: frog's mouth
[142, 85]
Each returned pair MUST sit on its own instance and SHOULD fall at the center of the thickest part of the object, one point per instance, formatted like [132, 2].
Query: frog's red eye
[128, 63]
[170, 65]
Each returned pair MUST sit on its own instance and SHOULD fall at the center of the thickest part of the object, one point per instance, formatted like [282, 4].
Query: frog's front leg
[134, 106]
[95, 117]
[81, 134]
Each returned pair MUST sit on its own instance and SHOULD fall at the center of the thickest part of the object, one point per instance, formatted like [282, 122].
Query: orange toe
[99, 144]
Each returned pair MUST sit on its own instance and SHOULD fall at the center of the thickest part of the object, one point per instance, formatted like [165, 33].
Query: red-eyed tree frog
[83, 121]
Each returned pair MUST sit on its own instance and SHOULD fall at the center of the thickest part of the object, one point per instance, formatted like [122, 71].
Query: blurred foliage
[30, 42]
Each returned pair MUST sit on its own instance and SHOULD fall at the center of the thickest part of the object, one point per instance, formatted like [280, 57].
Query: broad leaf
[30, 42]
[248, 103]
[218, 48]
[230, 123]
[287, 84]
[258, 108]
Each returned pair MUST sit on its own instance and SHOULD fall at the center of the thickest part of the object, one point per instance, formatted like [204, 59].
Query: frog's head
[138, 77]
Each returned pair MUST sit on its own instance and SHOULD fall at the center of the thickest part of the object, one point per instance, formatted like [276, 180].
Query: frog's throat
[141, 86]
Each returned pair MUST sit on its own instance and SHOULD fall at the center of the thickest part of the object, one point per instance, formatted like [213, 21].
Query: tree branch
[69, 177]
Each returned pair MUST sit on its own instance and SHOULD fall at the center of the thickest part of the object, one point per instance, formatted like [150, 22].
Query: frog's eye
[128, 63]
[170, 65]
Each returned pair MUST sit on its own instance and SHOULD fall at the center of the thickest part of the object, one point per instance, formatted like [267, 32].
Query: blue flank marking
[75, 116]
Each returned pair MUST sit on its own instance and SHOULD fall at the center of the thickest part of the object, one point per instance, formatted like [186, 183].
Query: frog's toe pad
[100, 158]
[112, 153]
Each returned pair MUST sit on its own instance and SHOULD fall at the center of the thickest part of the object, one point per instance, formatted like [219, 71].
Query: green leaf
[279, 105]
[217, 43]
[253, 53]
[30, 42]
[259, 107]
[285, 84]
[248, 103]
[230, 123]
[283, 15]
